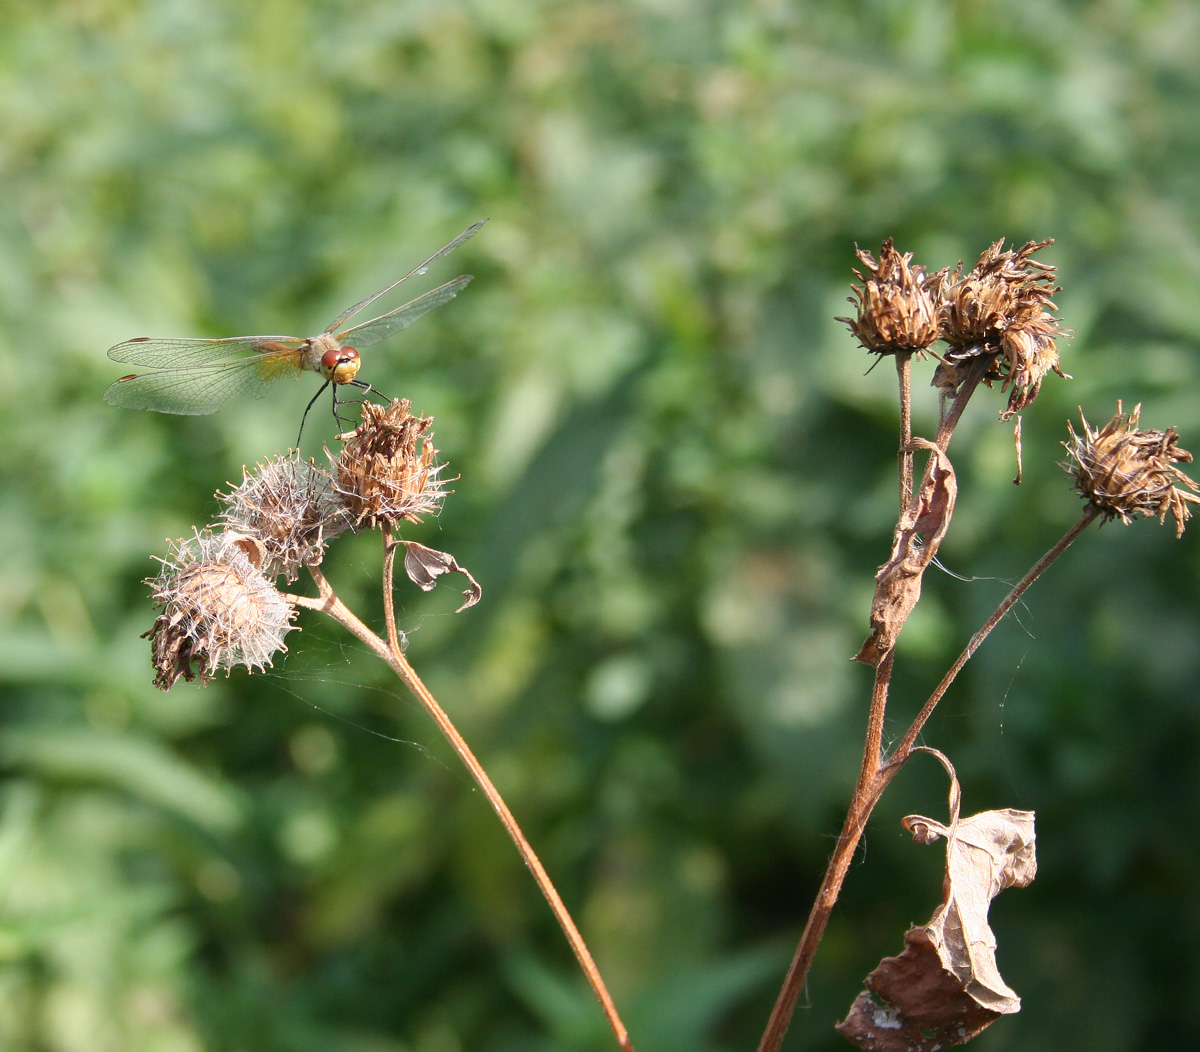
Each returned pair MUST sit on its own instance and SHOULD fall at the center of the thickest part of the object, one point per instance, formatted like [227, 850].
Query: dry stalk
[220, 606]
[329, 603]
[997, 322]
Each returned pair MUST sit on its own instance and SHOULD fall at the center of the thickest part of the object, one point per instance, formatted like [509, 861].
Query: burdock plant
[220, 605]
[997, 327]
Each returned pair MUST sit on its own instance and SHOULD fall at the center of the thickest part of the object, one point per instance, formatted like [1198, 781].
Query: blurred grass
[674, 489]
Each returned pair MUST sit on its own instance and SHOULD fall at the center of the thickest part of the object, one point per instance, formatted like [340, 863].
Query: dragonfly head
[339, 365]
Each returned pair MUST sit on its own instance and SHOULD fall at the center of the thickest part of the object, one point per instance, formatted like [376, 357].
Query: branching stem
[871, 783]
[877, 771]
[900, 753]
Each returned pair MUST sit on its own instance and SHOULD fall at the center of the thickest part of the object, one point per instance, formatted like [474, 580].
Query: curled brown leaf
[946, 987]
[918, 535]
[425, 565]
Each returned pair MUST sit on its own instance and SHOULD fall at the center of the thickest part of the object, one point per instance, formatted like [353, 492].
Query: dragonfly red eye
[340, 364]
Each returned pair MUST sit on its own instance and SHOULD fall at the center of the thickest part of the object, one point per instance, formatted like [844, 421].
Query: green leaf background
[676, 481]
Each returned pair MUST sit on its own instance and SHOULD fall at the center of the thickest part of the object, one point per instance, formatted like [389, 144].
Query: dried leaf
[985, 854]
[425, 565]
[912, 1004]
[945, 987]
[918, 535]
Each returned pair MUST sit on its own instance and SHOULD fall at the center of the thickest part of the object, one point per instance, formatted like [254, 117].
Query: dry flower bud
[386, 470]
[1125, 471]
[897, 303]
[218, 611]
[1001, 309]
[1004, 290]
[291, 508]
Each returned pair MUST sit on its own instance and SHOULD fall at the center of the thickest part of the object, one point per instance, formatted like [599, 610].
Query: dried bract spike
[1030, 353]
[1125, 471]
[386, 470]
[290, 506]
[1001, 309]
[897, 304]
[218, 611]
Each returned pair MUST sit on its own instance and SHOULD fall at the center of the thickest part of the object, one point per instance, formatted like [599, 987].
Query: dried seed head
[218, 610]
[1001, 309]
[897, 303]
[291, 507]
[1125, 471]
[1004, 290]
[386, 470]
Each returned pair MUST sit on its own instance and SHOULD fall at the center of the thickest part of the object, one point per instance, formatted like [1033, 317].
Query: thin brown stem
[872, 746]
[904, 374]
[329, 603]
[872, 780]
[962, 396]
[390, 545]
[1090, 512]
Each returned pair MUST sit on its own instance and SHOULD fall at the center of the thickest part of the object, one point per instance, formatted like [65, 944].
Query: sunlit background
[676, 481]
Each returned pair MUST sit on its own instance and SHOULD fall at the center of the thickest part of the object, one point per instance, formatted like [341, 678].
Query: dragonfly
[195, 377]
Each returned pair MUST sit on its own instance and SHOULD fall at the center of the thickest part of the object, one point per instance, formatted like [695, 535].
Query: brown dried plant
[997, 323]
[220, 608]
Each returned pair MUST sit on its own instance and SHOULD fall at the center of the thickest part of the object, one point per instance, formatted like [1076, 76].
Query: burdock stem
[904, 374]
[390, 544]
[331, 604]
[901, 752]
[962, 396]
[873, 779]
[871, 783]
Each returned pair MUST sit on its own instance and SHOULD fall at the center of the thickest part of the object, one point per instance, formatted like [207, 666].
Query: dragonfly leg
[312, 402]
[339, 423]
[366, 387]
[363, 386]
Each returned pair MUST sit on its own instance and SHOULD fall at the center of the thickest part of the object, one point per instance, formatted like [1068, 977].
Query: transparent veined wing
[376, 329]
[198, 390]
[420, 268]
[174, 353]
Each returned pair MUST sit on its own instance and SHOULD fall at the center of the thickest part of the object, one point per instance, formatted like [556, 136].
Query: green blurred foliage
[676, 483]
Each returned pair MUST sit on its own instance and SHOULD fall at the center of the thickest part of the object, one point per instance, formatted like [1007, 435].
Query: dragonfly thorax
[339, 365]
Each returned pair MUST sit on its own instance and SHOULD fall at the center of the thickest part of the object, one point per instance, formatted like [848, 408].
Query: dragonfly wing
[202, 389]
[376, 329]
[349, 313]
[174, 354]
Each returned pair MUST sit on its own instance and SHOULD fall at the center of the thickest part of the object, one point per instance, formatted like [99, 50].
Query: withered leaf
[425, 565]
[912, 1004]
[985, 854]
[945, 987]
[918, 535]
